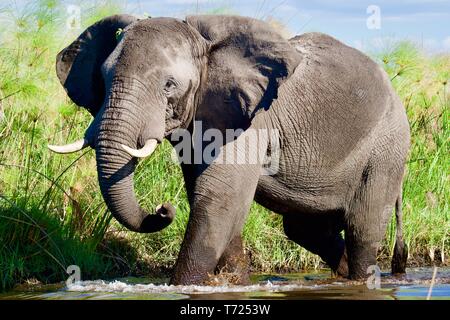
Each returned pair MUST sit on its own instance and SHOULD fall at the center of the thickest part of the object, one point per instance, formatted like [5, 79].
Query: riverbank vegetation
[52, 214]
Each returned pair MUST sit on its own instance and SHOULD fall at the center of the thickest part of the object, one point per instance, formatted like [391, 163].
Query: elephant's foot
[342, 268]
[361, 256]
[224, 276]
[234, 263]
[193, 268]
[359, 271]
[227, 278]
[232, 267]
[212, 279]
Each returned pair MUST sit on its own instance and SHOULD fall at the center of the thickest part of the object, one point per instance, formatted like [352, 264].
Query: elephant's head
[153, 78]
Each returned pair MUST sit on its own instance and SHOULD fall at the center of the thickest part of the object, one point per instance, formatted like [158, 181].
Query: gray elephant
[343, 135]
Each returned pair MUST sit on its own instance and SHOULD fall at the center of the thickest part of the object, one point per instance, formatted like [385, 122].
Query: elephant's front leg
[220, 203]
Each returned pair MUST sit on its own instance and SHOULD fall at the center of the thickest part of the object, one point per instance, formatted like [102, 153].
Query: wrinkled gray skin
[344, 135]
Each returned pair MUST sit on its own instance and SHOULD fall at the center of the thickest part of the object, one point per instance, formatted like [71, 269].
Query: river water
[314, 285]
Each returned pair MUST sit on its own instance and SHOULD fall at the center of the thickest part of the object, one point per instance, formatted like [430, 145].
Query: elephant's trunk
[121, 124]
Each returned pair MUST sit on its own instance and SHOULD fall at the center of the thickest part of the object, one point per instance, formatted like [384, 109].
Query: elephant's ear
[248, 61]
[79, 65]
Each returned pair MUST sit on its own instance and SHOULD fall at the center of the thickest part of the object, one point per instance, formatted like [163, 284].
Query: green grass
[423, 84]
[51, 211]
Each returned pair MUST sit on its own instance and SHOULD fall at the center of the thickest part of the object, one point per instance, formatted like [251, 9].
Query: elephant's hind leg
[368, 215]
[320, 234]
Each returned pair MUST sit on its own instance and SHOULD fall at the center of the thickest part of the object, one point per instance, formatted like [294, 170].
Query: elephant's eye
[170, 84]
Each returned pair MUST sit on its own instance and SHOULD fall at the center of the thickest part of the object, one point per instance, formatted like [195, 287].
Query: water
[315, 285]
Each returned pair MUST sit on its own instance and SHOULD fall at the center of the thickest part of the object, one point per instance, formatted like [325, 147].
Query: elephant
[342, 134]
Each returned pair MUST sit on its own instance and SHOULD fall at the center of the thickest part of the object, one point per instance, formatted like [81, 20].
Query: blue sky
[427, 22]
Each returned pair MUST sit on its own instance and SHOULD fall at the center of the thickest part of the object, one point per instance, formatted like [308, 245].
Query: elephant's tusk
[71, 147]
[144, 152]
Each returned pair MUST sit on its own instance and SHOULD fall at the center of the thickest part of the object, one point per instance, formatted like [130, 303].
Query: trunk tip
[162, 218]
[166, 211]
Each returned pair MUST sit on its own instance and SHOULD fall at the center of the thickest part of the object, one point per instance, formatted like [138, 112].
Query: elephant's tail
[398, 264]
